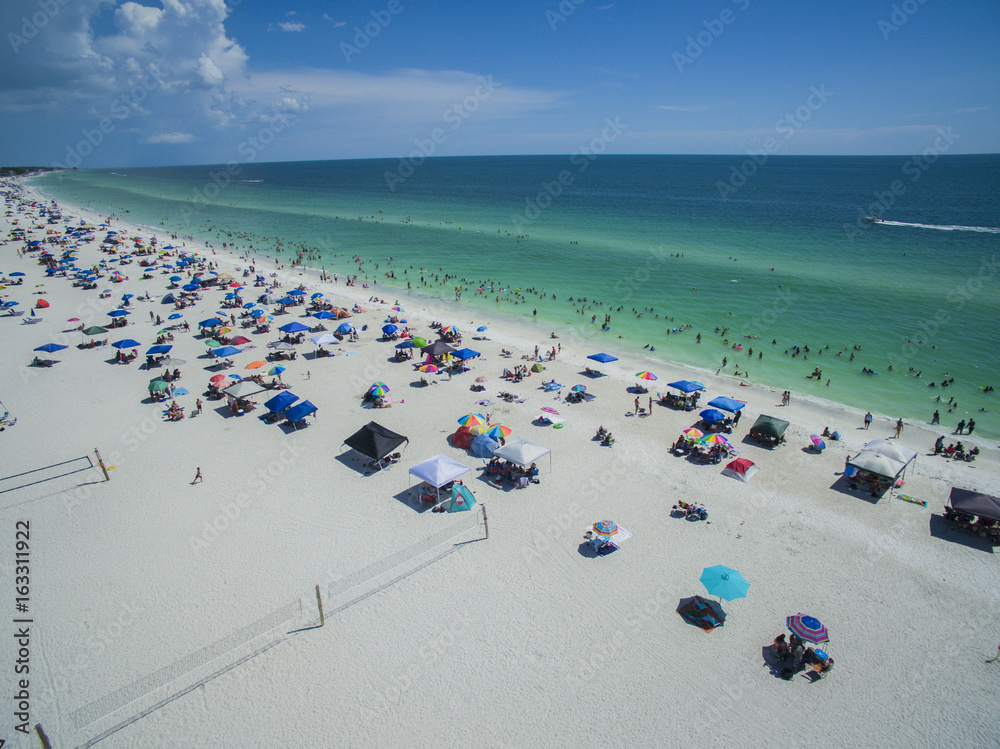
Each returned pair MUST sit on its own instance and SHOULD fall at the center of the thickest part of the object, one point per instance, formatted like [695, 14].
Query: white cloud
[971, 110]
[292, 26]
[169, 138]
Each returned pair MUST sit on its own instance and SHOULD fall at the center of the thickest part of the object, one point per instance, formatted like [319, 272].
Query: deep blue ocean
[776, 254]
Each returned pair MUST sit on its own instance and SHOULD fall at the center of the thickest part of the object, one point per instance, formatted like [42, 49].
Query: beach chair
[29, 320]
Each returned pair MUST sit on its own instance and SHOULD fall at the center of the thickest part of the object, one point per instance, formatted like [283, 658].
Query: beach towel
[913, 500]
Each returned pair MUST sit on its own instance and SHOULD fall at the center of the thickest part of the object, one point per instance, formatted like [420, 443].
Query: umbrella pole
[486, 521]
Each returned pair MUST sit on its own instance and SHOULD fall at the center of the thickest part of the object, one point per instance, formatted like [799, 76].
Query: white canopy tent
[438, 471]
[523, 452]
[893, 450]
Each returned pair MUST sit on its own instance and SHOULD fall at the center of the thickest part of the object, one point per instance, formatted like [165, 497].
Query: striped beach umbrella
[605, 528]
[714, 439]
[693, 434]
[428, 369]
[496, 431]
[646, 376]
[471, 420]
[808, 628]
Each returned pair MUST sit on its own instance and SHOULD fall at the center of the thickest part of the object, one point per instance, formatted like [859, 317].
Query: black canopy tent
[375, 441]
[975, 503]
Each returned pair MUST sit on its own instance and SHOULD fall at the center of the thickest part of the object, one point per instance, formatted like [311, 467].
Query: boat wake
[943, 227]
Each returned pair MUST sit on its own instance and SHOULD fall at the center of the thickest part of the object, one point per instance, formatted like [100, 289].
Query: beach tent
[892, 450]
[437, 349]
[293, 327]
[686, 386]
[465, 353]
[975, 503]
[726, 404]
[462, 438]
[702, 612]
[438, 471]
[375, 441]
[603, 358]
[522, 452]
[461, 499]
[281, 401]
[484, 446]
[769, 426]
[741, 469]
[299, 411]
[878, 465]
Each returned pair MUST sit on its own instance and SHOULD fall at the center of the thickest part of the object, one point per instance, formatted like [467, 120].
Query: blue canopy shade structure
[281, 401]
[118, 313]
[212, 322]
[50, 348]
[300, 410]
[293, 327]
[726, 404]
[226, 351]
[465, 353]
[126, 343]
[163, 348]
[603, 358]
[686, 386]
[296, 292]
[712, 415]
[286, 300]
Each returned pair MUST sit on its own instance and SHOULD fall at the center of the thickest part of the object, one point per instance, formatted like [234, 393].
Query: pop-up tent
[726, 404]
[438, 471]
[892, 450]
[686, 386]
[975, 503]
[280, 402]
[484, 446]
[375, 441]
[437, 349]
[461, 499]
[768, 428]
[299, 411]
[522, 452]
[741, 469]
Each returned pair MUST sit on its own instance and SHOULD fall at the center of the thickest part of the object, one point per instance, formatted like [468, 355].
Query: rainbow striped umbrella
[472, 420]
[496, 431]
[714, 439]
[378, 389]
[428, 369]
[605, 528]
[808, 628]
[579, 388]
[693, 434]
[646, 376]
[478, 429]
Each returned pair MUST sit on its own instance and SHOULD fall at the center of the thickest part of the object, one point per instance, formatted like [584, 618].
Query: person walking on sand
[198, 477]
[650, 405]
[197, 406]
[868, 419]
[899, 427]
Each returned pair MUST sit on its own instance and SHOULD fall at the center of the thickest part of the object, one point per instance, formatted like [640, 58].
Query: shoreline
[838, 415]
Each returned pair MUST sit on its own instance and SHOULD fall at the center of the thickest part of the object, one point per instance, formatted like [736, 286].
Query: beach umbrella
[256, 313]
[163, 348]
[95, 330]
[226, 351]
[191, 287]
[317, 295]
[256, 364]
[345, 328]
[714, 439]
[818, 442]
[8, 305]
[73, 319]
[126, 343]
[497, 431]
[157, 385]
[16, 274]
[579, 389]
[477, 430]
[293, 327]
[212, 343]
[275, 371]
[603, 358]
[217, 378]
[389, 329]
[808, 628]
[471, 420]
[378, 389]
[481, 329]
[482, 378]
[419, 342]
[50, 348]
[724, 582]
[646, 376]
[549, 410]
[248, 305]
[119, 313]
[712, 415]
[605, 528]
[175, 316]
[175, 279]
[428, 369]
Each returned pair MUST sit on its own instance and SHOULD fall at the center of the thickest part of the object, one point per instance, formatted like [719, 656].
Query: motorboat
[873, 220]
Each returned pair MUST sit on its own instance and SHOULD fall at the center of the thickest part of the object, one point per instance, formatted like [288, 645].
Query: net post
[319, 602]
[486, 521]
[100, 462]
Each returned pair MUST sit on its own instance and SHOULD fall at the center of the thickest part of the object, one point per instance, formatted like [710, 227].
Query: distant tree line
[18, 171]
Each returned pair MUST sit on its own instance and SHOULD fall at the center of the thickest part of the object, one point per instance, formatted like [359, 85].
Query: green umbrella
[212, 343]
[95, 330]
[419, 342]
[158, 385]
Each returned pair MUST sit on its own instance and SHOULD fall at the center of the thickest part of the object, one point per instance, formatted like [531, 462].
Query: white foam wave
[944, 227]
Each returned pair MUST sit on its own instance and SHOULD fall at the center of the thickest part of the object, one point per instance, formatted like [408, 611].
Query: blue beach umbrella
[317, 295]
[603, 358]
[126, 343]
[257, 313]
[50, 348]
[231, 295]
[175, 316]
[389, 329]
[191, 287]
[248, 305]
[712, 415]
[119, 313]
[293, 327]
[163, 348]
[481, 329]
[724, 582]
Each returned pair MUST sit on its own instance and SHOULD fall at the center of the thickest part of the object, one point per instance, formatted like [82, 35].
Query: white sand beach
[169, 613]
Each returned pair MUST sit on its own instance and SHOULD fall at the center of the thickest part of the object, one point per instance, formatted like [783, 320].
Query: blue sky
[102, 83]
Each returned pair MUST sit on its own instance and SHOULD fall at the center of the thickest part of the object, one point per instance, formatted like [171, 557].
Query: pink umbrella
[550, 410]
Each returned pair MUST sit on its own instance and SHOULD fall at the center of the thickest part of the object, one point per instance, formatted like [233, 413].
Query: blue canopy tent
[603, 358]
[726, 404]
[281, 401]
[345, 329]
[126, 343]
[293, 327]
[299, 411]
[226, 351]
[163, 348]
[465, 353]
[686, 386]
[212, 322]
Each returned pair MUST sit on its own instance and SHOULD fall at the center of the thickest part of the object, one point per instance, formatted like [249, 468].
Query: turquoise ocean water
[778, 253]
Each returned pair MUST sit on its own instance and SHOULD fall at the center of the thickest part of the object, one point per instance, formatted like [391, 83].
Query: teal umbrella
[724, 582]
